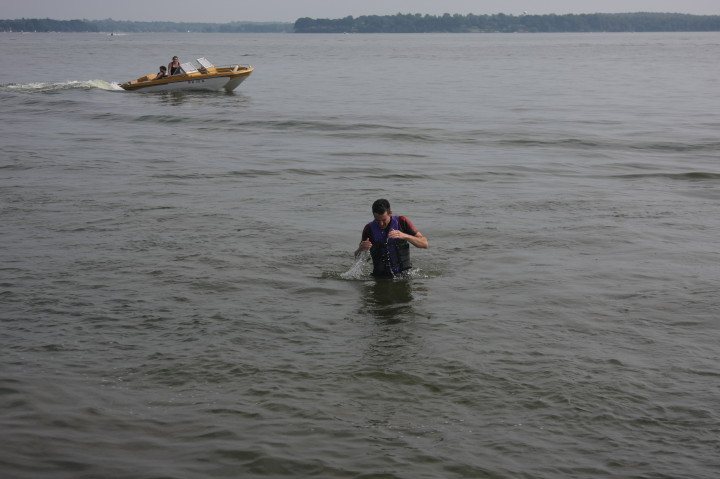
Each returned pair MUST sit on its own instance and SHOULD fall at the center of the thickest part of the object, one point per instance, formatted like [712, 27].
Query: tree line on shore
[596, 22]
[399, 23]
[119, 26]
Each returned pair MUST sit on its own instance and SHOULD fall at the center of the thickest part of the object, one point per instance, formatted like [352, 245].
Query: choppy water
[178, 293]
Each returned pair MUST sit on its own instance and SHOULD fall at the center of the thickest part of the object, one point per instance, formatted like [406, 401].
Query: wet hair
[381, 206]
[162, 67]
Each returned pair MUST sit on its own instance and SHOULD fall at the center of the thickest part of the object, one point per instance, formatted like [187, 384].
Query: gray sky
[223, 11]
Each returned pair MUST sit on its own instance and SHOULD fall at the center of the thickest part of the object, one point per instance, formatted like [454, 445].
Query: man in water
[389, 238]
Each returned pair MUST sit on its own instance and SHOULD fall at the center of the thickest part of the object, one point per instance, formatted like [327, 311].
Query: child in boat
[162, 73]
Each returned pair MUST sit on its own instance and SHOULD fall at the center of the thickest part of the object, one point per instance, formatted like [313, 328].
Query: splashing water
[357, 271]
[71, 85]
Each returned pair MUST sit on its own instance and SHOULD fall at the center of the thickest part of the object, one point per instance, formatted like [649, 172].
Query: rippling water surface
[179, 297]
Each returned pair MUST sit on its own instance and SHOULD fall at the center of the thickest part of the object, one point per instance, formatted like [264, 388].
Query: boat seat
[188, 68]
[144, 79]
[206, 65]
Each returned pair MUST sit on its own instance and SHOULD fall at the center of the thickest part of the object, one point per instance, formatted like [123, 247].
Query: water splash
[42, 87]
[357, 271]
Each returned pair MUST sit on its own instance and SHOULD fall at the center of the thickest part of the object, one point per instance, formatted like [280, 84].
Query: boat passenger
[389, 238]
[162, 73]
[174, 67]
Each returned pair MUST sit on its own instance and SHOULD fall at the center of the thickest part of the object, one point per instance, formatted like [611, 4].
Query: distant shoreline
[47, 25]
[400, 23]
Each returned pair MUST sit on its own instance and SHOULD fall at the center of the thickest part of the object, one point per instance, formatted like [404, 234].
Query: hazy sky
[223, 11]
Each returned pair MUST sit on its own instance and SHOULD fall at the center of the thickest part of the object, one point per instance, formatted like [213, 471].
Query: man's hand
[365, 245]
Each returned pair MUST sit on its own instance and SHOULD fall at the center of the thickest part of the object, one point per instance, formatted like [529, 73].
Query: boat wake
[42, 87]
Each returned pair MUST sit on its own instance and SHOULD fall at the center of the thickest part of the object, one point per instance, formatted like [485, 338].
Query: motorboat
[205, 77]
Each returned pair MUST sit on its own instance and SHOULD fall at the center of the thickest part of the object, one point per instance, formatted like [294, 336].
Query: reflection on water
[387, 299]
[199, 97]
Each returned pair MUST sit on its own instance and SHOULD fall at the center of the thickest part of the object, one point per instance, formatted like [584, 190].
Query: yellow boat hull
[218, 78]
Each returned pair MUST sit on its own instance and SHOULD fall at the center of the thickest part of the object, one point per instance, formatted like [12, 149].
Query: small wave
[360, 271]
[689, 176]
[560, 142]
[678, 147]
[43, 87]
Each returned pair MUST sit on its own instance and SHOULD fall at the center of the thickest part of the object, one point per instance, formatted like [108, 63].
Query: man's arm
[365, 243]
[409, 233]
[419, 241]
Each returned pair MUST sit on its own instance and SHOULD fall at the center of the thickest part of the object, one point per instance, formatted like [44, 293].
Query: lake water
[179, 297]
